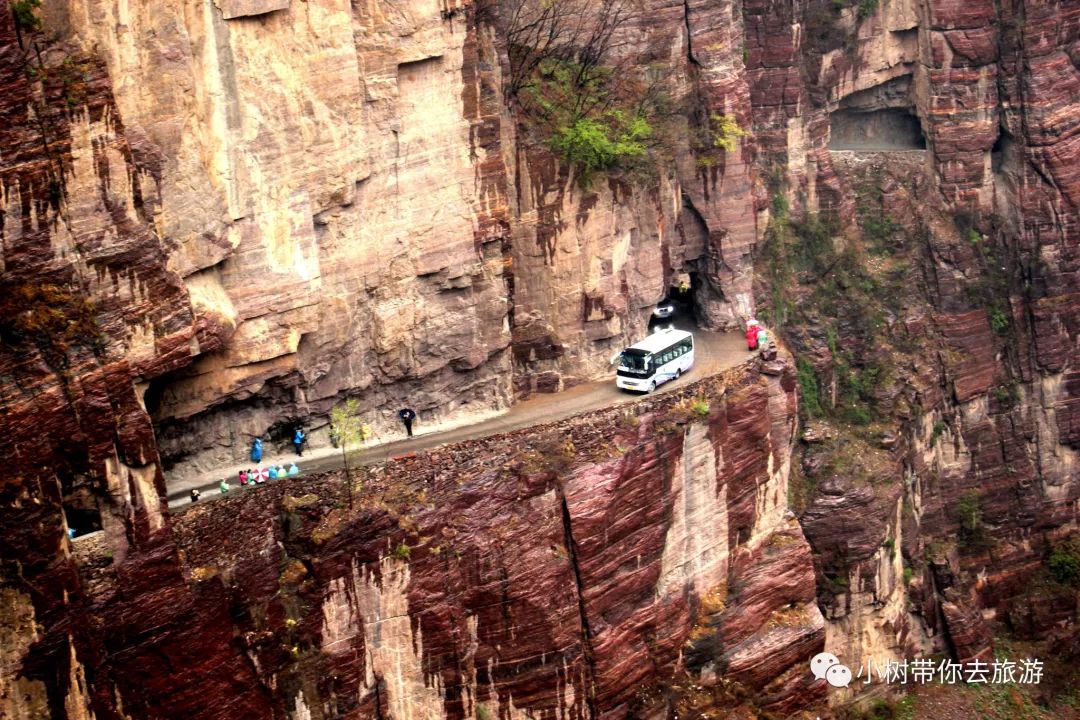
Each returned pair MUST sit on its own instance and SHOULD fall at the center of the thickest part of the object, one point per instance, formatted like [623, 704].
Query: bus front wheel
[652, 386]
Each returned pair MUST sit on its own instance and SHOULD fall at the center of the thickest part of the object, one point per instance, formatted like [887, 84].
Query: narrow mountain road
[713, 353]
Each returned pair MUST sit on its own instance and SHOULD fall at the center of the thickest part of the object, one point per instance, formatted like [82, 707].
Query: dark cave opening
[682, 297]
[81, 518]
[879, 130]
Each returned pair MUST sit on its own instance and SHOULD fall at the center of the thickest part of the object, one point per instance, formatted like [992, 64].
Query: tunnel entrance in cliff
[81, 510]
[878, 119]
[875, 131]
[681, 300]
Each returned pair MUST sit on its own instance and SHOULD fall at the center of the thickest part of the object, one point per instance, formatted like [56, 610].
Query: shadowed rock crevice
[586, 629]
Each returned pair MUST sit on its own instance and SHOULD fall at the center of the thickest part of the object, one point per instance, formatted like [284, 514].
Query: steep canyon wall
[222, 217]
[575, 570]
[951, 312]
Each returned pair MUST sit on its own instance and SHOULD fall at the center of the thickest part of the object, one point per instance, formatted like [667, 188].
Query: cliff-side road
[714, 352]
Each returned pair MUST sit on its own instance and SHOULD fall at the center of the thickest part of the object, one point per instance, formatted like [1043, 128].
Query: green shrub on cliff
[600, 144]
[726, 132]
[700, 406]
[595, 109]
[972, 528]
[866, 8]
[808, 389]
[999, 321]
[1064, 561]
[25, 17]
[777, 265]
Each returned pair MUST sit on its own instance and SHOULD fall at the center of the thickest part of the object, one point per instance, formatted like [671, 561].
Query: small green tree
[25, 17]
[969, 510]
[726, 131]
[808, 386]
[26, 20]
[601, 144]
[999, 321]
[351, 431]
[1064, 561]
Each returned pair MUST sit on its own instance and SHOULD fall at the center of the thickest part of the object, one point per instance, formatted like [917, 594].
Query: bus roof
[661, 340]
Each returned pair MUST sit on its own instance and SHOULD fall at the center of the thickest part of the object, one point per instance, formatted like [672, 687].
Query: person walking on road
[752, 331]
[243, 477]
[407, 416]
[195, 495]
[224, 486]
[256, 450]
[293, 470]
[299, 437]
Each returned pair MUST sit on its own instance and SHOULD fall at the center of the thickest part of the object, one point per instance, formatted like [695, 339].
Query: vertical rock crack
[586, 631]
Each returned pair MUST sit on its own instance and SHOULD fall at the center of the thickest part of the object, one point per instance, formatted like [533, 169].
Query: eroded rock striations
[562, 571]
[221, 218]
[344, 205]
[965, 347]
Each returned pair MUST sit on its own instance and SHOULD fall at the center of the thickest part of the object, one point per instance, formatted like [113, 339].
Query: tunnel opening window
[78, 495]
[678, 308]
[881, 130]
[81, 520]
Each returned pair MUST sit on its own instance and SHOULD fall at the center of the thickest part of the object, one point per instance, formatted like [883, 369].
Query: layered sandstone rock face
[345, 206]
[318, 189]
[979, 337]
[221, 217]
[575, 570]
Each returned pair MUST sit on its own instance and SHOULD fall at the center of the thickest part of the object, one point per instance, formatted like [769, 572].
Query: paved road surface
[713, 352]
[873, 147]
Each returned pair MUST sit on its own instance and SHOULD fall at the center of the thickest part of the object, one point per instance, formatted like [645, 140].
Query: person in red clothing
[752, 330]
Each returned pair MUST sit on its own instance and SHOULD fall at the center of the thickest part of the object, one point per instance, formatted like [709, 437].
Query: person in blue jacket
[298, 441]
[256, 450]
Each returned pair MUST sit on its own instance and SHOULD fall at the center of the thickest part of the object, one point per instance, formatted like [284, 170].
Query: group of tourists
[261, 474]
[251, 478]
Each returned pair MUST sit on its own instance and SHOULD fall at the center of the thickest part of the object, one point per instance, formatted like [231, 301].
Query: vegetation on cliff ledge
[596, 111]
[24, 13]
[827, 287]
[1064, 560]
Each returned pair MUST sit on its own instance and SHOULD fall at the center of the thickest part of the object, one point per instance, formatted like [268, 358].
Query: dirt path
[713, 352]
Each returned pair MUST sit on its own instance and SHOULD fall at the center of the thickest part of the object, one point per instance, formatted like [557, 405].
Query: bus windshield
[635, 360]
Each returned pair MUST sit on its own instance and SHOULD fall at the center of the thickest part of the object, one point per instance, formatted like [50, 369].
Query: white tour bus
[663, 356]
